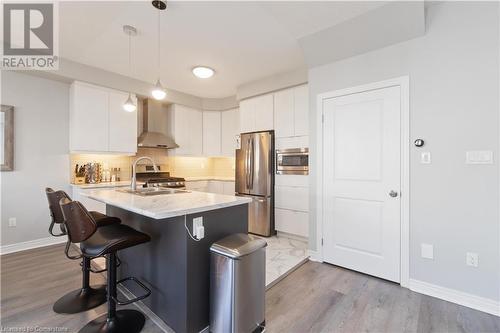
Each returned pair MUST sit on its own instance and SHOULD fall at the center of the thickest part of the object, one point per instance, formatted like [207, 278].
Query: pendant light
[129, 30]
[158, 91]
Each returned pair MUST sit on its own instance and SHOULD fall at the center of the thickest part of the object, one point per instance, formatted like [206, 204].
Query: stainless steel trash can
[237, 284]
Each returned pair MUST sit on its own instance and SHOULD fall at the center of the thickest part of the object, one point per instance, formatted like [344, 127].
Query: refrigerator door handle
[247, 165]
[252, 162]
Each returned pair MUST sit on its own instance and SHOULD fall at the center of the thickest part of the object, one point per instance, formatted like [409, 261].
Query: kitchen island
[173, 265]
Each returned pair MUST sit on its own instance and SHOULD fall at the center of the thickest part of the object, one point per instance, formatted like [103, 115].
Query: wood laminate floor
[314, 298]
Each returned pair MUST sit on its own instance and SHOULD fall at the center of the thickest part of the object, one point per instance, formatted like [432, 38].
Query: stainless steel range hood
[154, 124]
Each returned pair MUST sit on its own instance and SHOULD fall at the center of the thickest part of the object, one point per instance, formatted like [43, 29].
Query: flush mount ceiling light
[203, 72]
[158, 91]
[130, 31]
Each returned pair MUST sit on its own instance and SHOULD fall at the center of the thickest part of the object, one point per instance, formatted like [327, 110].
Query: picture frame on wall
[7, 138]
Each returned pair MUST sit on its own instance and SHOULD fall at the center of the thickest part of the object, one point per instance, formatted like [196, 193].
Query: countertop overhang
[166, 205]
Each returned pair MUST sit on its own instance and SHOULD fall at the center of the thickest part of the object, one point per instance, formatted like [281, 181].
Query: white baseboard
[455, 296]
[33, 244]
[314, 256]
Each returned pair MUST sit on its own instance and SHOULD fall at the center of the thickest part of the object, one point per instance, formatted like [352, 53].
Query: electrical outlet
[12, 222]
[427, 251]
[472, 259]
[198, 229]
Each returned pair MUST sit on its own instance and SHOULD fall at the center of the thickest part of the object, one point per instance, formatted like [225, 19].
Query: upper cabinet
[202, 133]
[229, 132]
[185, 126]
[256, 114]
[98, 122]
[122, 125]
[211, 133]
[283, 113]
[291, 116]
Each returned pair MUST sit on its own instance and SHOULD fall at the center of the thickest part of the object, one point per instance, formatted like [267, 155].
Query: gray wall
[454, 105]
[40, 156]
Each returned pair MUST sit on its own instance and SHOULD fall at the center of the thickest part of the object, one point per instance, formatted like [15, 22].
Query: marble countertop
[122, 183]
[166, 205]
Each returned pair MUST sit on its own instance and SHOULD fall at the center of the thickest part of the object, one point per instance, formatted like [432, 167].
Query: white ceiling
[242, 41]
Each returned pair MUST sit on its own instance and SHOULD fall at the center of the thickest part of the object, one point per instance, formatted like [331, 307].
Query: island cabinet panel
[175, 267]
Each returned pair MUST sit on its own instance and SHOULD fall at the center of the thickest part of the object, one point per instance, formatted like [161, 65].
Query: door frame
[404, 83]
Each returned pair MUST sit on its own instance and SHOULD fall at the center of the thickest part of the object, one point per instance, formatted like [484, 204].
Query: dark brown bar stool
[94, 242]
[86, 297]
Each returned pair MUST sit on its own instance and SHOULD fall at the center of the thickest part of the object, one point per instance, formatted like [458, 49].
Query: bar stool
[82, 228]
[86, 297]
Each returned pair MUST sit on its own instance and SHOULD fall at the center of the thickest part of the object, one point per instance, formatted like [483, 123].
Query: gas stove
[160, 179]
[170, 182]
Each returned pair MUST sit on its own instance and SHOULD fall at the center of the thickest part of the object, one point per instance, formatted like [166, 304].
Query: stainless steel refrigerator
[255, 179]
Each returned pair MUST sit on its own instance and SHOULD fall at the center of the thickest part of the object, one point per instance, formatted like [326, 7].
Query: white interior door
[361, 170]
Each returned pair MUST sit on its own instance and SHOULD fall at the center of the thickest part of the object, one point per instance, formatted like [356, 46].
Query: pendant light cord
[130, 54]
[159, 43]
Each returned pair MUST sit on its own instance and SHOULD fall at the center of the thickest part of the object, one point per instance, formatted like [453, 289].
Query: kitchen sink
[147, 191]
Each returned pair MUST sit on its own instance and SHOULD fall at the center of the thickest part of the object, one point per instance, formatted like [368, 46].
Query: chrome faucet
[133, 184]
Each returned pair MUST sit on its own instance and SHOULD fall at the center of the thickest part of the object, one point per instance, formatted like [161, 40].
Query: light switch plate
[479, 157]
[427, 251]
[425, 157]
[12, 222]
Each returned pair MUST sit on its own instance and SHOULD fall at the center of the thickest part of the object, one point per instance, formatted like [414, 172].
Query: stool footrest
[140, 284]
[118, 263]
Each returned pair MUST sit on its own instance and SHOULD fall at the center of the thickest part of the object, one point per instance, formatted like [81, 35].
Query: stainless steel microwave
[292, 161]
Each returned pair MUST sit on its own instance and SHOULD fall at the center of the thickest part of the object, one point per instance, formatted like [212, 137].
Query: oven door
[292, 161]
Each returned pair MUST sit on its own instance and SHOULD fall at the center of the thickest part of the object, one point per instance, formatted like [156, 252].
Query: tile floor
[283, 255]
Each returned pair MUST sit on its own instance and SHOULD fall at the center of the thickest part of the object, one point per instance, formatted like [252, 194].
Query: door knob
[393, 194]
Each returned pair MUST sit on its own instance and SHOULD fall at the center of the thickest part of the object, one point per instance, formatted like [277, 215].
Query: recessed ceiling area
[241, 41]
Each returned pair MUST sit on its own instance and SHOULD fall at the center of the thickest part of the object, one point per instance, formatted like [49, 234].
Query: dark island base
[175, 267]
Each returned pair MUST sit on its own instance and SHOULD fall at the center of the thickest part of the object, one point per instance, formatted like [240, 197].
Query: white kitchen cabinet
[211, 186]
[247, 115]
[88, 118]
[257, 114]
[292, 222]
[292, 142]
[122, 124]
[229, 131]
[301, 110]
[211, 133]
[185, 126]
[200, 185]
[292, 197]
[215, 186]
[98, 122]
[283, 113]
[264, 112]
[291, 112]
[228, 188]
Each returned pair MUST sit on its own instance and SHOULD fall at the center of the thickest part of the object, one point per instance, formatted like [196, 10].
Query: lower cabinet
[292, 222]
[292, 205]
[211, 186]
[199, 185]
[228, 188]
[215, 187]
